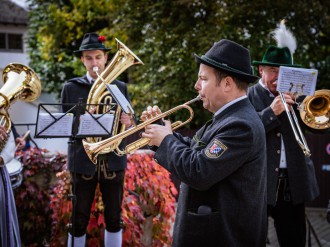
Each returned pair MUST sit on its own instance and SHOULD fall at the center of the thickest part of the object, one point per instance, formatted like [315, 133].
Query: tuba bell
[315, 110]
[99, 94]
[20, 83]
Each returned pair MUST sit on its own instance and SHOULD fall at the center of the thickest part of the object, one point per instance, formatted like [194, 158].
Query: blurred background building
[13, 49]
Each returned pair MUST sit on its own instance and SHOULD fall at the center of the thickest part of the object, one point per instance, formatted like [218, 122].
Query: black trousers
[111, 187]
[289, 219]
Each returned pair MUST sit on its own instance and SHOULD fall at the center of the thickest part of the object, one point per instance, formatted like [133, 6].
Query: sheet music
[88, 126]
[297, 80]
[62, 127]
[120, 98]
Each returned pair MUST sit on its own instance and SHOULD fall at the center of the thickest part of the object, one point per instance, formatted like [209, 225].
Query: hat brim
[79, 52]
[233, 72]
[254, 62]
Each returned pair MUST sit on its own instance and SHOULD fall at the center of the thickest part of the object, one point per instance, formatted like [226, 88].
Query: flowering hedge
[44, 209]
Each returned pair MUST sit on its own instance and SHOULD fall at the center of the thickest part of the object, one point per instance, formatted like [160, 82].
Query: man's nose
[197, 86]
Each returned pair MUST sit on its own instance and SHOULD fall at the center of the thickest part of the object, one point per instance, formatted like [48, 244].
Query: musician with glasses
[290, 174]
[222, 199]
[9, 228]
[109, 171]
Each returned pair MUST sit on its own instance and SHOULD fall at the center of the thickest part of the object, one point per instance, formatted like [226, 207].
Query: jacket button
[271, 118]
[278, 151]
[277, 169]
[278, 134]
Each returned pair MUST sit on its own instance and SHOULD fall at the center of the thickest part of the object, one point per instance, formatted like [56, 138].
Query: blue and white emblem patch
[215, 149]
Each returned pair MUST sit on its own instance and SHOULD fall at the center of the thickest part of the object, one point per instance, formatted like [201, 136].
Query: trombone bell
[315, 110]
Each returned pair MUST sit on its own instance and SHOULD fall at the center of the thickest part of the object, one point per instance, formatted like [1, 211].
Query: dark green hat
[231, 58]
[277, 56]
[92, 41]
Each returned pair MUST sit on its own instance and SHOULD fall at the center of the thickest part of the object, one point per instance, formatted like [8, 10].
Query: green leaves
[165, 35]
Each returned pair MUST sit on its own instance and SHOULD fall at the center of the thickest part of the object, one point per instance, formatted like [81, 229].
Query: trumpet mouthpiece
[95, 69]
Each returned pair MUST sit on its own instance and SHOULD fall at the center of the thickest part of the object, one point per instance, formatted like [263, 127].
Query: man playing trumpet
[222, 200]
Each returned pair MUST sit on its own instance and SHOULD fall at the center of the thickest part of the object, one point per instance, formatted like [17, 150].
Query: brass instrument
[94, 149]
[314, 112]
[99, 94]
[20, 83]
[296, 128]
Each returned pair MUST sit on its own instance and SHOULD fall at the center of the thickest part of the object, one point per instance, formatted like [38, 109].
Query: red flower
[101, 39]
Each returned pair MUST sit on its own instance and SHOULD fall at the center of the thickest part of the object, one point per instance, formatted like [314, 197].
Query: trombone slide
[296, 128]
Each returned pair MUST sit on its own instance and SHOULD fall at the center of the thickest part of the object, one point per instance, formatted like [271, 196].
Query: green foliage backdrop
[165, 34]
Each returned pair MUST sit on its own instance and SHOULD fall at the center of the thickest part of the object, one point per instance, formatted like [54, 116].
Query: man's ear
[229, 82]
[260, 69]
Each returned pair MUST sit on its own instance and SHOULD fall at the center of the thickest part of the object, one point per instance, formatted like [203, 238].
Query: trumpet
[94, 149]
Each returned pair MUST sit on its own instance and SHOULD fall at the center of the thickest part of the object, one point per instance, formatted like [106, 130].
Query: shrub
[44, 209]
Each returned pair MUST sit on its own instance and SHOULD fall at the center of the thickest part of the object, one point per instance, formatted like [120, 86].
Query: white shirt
[90, 79]
[229, 104]
[8, 152]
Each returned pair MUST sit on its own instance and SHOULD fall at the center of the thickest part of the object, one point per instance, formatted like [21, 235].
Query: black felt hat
[231, 58]
[92, 41]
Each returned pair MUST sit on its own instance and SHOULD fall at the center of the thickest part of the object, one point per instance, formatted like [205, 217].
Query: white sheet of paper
[297, 80]
[120, 98]
[90, 127]
[62, 127]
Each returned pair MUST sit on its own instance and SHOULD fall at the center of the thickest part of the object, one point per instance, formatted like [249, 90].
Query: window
[12, 42]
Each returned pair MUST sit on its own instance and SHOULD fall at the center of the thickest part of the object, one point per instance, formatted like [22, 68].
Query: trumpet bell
[315, 110]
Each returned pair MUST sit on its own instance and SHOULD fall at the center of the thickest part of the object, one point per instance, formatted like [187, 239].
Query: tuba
[20, 83]
[315, 110]
[99, 94]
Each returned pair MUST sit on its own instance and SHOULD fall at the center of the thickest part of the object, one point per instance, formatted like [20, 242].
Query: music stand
[73, 124]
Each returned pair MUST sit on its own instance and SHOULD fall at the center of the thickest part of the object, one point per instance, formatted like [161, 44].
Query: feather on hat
[282, 54]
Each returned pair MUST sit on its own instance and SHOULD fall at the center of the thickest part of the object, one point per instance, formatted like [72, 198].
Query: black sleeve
[13, 129]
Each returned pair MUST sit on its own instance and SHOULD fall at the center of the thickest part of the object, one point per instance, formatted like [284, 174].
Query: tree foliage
[166, 34]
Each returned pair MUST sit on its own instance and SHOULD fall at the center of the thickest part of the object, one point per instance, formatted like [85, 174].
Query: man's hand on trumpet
[278, 106]
[155, 132]
[150, 113]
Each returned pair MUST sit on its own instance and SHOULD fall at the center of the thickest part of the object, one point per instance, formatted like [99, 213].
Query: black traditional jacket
[72, 91]
[222, 200]
[302, 180]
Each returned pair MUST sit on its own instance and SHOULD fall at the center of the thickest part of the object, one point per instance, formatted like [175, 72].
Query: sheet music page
[88, 126]
[120, 98]
[62, 127]
[297, 80]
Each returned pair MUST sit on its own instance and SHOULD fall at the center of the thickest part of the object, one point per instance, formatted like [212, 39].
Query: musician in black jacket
[110, 169]
[222, 200]
[290, 174]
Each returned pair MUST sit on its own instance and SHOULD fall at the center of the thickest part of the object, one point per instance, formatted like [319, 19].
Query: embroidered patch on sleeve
[215, 149]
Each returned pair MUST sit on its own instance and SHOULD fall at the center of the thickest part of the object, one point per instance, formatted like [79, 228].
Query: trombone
[94, 149]
[314, 112]
[296, 128]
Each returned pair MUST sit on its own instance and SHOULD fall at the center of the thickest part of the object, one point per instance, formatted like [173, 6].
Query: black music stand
[69, 124]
